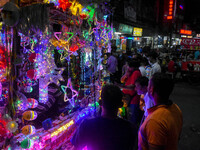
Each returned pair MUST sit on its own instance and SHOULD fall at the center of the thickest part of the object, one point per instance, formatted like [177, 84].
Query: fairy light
[43, 91]
[63, 128]
[74, 92]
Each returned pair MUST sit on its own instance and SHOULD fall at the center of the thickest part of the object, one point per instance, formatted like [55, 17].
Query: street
[188, 99]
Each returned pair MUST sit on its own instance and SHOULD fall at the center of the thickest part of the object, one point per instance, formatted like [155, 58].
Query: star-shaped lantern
[70, 93]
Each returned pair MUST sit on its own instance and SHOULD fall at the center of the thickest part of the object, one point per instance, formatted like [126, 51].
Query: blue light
[181, 7]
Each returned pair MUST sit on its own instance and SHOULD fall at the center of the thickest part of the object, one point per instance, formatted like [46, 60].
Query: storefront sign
[126, 29]
[170, 10]
[190, 43]
[137, 31]
[186, 32]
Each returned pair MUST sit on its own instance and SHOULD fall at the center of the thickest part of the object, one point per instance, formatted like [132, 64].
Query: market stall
[190, 66]
[52, 67]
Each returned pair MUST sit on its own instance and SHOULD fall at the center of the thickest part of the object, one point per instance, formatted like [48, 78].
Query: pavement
[187, 97]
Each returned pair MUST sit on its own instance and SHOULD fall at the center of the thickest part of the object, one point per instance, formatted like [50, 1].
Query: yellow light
[64, 127]
[76, 8]
[12, 125]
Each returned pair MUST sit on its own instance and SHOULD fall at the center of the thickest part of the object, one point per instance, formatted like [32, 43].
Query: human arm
[128, 87]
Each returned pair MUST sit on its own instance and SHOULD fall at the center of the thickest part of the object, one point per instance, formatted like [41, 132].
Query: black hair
[163, 85]
[153, 55]
[145, 61]
[143, 81]
[111, 97]
[133, 63]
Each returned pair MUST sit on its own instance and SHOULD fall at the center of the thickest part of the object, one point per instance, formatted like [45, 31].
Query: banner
[190, 43]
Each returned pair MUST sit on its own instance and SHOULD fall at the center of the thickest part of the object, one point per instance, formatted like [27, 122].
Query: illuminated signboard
[137, 31]
[170, 11]
[126, 29]
[186, 32]
[198, 35]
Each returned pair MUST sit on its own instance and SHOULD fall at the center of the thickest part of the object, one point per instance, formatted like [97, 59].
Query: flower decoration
[64, 4]
[12, 126]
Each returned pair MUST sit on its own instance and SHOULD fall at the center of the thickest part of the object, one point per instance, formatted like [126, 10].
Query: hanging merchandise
[52, 68]
[29, 115]
[28, 130]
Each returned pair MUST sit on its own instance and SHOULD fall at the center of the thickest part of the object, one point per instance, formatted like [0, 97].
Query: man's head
[141, 85]
[160, 87]
[133, 64]
[111, 96]
[152, 57]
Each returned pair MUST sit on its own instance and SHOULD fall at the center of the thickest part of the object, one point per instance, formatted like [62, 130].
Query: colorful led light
[74, 92]
[63, 128]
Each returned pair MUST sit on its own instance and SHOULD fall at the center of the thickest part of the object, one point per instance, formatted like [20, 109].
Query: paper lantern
[21, 102]
[26, 143]
[28, 130]
[32, 103]
[12, 126]
[29, 115]
[28, 89]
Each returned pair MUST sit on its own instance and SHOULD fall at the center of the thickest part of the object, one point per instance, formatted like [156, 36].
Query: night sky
[192, 14]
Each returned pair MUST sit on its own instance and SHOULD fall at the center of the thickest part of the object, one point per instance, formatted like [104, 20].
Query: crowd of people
[152, 120]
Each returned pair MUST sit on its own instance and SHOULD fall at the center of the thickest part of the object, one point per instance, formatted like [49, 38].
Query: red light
[170, 6]
[187, 32]
[170, 13]
[169, 17]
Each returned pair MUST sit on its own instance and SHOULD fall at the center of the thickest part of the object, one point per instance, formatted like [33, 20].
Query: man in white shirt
[155, 67]
[141, 85]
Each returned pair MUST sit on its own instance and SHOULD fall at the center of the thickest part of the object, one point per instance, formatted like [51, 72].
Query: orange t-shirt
[162, 127]
[131, 81]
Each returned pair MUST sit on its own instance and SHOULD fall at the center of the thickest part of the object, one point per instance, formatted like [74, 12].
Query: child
[141, 85]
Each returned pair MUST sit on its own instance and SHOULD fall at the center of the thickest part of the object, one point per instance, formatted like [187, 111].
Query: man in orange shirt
[161, 129]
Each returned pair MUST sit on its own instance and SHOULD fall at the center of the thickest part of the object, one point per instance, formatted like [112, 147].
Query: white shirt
[142, 70]
[148, 104]
[155, 68]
